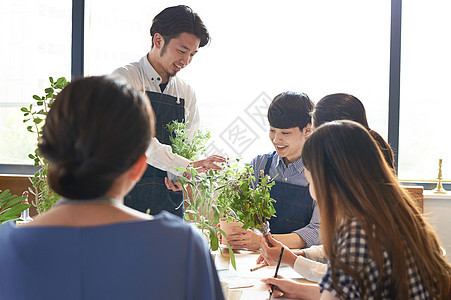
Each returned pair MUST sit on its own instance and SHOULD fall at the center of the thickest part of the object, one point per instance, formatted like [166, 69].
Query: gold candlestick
[439, 188]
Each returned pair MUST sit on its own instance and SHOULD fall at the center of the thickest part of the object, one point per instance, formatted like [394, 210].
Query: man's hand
[208, 163]
[172, 186]
[244, 239]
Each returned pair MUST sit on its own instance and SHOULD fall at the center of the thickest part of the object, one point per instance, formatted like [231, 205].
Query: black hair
[341, 106]
[289, 110]
[175, 20]
[96, 129]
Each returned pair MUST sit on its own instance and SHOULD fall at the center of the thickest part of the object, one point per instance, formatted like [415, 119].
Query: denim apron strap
[151, 192]
[294, 205]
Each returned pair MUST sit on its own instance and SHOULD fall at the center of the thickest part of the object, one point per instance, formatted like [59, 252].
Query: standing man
[177, 34]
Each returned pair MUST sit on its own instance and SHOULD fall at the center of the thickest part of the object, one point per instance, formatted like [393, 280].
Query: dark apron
[151, 192]
[294, 206]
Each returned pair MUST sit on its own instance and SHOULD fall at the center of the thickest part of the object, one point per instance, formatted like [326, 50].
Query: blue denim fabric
[151, 192]
[294, 206]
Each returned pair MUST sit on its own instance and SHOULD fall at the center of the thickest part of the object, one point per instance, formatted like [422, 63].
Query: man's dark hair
[289, 110]
[175, 20]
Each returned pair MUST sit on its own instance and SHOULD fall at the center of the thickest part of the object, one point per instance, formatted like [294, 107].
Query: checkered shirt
[351, 241]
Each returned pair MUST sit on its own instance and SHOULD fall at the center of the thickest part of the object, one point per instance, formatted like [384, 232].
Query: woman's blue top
[163, 258]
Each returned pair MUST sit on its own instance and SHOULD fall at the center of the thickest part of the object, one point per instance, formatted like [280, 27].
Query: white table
[244, 284]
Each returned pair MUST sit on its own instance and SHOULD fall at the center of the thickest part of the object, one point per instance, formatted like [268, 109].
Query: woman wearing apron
[297, 220]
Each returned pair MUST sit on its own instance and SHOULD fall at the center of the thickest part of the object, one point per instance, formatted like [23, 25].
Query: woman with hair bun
[89, 245]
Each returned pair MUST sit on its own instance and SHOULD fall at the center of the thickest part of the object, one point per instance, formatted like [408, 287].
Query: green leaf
[61, 81]
[216, 214]
[36, 97]
[15, 210]
[232, 257]
[4, 194]
[13, 201]
[214, 241]
[49, 90]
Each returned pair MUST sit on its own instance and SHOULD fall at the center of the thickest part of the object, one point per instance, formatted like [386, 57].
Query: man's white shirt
[143, 77]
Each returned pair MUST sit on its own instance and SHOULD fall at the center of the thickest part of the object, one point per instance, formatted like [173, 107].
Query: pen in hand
[277, 270]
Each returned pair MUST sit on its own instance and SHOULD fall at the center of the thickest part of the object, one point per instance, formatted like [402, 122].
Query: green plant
[182, 144]
[10, 206]
[35, 115]
[203, 209]
[245, 200]
[229, 192]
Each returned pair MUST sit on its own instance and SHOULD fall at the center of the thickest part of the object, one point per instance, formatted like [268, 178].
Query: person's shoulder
[168, 219]
[171, 222]
[261, 159]
[185, 232]
[126, 70]
[181, 82]
[183, 86]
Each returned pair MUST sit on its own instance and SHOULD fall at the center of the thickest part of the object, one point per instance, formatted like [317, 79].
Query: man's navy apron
[294, 206]
[151, 192]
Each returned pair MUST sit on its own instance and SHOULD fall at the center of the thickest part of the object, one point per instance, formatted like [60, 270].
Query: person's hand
[290, 288]
[172, 186]
[299, 252]
[176, 186]
[244, 239]
[261, 260]
[208, 163]
[271, 254]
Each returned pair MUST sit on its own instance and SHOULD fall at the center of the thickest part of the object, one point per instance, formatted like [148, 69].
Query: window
[36, 43]
[424, 93]
[257, 52]
[258, 49]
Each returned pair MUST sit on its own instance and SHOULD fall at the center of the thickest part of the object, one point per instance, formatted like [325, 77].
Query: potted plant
[230, 193]
[245, 200]
[35, 115]
[183, 145]
[11, 206]
[202, 207]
